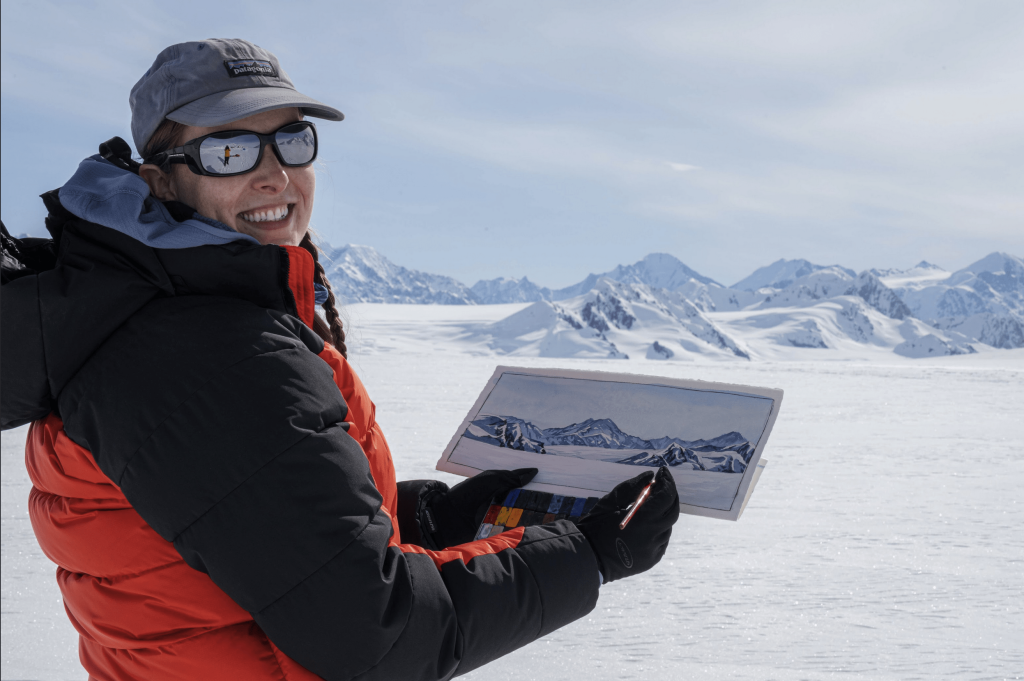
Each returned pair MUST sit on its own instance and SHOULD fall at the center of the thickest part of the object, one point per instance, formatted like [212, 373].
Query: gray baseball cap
[213, 82]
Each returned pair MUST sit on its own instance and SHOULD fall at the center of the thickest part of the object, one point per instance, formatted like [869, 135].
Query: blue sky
[491, 139]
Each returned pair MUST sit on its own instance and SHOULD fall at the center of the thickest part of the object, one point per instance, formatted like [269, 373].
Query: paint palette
[525, 507]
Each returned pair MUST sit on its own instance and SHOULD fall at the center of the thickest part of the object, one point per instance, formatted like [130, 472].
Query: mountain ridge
[665, 300]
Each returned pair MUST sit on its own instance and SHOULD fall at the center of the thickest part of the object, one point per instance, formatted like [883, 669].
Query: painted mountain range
[728, 453]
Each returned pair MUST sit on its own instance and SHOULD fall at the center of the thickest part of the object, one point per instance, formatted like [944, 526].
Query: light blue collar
[101, 192]
[319, 293]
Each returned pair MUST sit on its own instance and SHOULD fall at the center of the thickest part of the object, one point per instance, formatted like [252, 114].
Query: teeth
[266, 215]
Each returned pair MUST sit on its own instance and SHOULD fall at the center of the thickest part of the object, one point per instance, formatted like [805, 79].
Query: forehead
[265, 122]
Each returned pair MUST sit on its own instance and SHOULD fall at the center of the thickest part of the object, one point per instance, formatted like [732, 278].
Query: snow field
[882, 542]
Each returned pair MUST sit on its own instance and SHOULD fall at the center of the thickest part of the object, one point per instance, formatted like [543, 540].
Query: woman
[208, 474]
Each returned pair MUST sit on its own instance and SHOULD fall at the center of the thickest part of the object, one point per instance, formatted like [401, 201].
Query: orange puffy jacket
[141, 612]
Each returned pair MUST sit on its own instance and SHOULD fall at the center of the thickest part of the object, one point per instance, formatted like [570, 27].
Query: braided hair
[331, 330]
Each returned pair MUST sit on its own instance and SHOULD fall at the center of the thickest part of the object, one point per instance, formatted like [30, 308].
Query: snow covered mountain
[879, 296]
[983, 302]
[613, 320]
[829, 307]
[659, 308]
[359, 274]
[657, 270]
[826, 309]
[923, 273]
[509, 290]
[819, 284]
[781, 274]
[728, 453]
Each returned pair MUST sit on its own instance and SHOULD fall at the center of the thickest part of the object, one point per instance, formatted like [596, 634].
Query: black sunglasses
[234, 152]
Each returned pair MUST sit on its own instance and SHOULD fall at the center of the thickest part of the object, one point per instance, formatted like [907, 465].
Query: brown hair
[166, 137]
[331, 330]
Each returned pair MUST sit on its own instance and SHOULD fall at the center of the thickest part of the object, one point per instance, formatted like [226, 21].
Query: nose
[270, 176]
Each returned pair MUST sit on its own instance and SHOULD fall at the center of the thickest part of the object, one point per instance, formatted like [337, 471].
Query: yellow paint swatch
[513, 517]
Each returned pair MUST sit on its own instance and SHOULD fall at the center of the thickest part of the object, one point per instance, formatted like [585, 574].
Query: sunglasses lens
[229, 155]
[297, 144]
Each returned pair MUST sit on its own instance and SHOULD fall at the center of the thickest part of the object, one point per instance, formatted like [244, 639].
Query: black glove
[639, 547]
[443, 517]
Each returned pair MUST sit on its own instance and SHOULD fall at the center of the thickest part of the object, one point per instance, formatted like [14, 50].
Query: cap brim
[232, 105]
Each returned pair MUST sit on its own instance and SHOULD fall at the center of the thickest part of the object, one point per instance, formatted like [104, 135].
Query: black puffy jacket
[192, 379]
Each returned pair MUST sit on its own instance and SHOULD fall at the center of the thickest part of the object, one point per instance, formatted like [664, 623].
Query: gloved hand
[639, 547]
[445, 517]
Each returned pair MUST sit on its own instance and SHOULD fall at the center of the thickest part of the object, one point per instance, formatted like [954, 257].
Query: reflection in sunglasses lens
[296, 144]
[234, 154]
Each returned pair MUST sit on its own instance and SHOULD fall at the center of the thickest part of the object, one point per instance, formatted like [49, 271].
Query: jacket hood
[101, 193]
[118, 250]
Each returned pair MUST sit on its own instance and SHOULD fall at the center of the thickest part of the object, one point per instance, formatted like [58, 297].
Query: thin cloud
[811, 124]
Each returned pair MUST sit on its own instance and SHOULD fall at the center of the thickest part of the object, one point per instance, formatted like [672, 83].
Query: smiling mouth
[269, 215]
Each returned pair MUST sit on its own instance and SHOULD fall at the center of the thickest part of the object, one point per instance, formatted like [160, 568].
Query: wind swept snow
[869, 550]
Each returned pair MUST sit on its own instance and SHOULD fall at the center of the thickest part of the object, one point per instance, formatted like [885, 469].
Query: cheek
[214, 197]
[306, 184]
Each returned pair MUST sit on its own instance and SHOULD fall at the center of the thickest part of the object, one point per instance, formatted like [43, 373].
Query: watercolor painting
[595, 430]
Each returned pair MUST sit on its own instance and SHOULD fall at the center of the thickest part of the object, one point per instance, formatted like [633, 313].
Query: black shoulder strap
[117, 151]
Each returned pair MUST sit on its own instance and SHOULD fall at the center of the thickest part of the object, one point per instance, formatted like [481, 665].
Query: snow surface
[876, 546]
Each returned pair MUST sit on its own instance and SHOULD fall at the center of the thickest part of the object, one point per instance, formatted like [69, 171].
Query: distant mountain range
[660, 308]
[781, 274]
[361, 274]
[728, 453]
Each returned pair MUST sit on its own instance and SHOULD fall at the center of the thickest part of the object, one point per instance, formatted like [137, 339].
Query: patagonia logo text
[249, 67]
